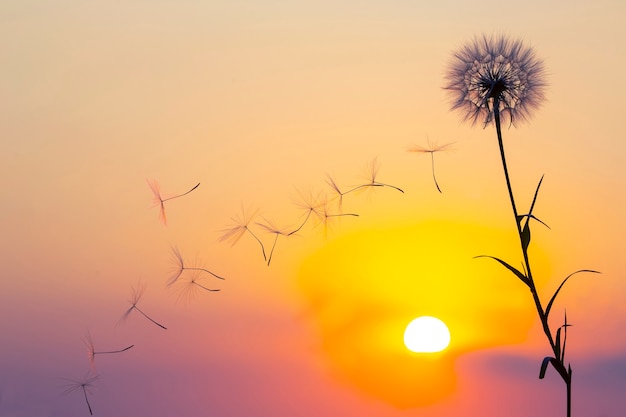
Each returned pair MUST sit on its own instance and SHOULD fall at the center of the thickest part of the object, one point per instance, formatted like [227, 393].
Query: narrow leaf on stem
[549, 306]
[515, 271]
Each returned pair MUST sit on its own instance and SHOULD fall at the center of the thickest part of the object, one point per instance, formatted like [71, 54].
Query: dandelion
[136, 294]
[240, 227]
[372, 173]
[158, 200]
[271, 227]
[188, 288]
[91, 350]
[431, 149]
[328, 217]
[84, 384]
[331, 181]
[180, 268]
[311, 204]
[493, 77]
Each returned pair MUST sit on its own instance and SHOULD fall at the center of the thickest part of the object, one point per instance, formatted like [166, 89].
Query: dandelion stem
[146, 316]
[114, 351]
[432, 159]
[205, 270]
[533, 290]
[559, 365]
[260, 243]
[203, 287]
[568, 386]
[303, 223]
[180, 195]
[87, 399]
[342, 215]
[496, 105]
[358, 187]
[272, 251]
[389, 185]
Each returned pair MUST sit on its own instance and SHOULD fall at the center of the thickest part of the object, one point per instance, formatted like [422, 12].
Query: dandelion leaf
[549, 305]
[544, 366]
[514, 270]
[526, 235]
[557, 343]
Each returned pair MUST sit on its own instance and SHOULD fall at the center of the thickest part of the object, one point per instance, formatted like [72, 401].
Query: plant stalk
[563, 372]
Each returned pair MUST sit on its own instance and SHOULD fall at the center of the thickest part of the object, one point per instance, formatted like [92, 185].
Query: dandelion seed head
[178, 266]
[156, 190]
[233, 234]
[135, 296]
[86, 383]
[188, 288]
[431, 148]
[240, 225]
[495, 70]
[372, 169]
[136, 293]
[338, 194]
[309, 202]
[157, 199]
[271, 227]
[91, 350]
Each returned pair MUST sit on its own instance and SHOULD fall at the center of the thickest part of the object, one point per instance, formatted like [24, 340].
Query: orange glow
[364, 288]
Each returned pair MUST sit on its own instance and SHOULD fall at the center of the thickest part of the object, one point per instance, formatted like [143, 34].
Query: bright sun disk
[426, 334]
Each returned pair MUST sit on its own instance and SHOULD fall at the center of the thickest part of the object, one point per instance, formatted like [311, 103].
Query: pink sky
[259, 102]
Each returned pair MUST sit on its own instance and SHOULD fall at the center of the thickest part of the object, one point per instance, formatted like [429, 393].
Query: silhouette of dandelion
[241, 226]
[180, 268]
[158, 200]
[91, 350]
[431, 149]
[312, 204]
[495, 74]
[84, 384]
[328, 217]
[271, 227]
[331, 181]
[187, 288]
[495, 79]
[372, 173]
[136, 294]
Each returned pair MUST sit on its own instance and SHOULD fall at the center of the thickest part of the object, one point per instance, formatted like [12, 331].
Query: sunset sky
[263, 103]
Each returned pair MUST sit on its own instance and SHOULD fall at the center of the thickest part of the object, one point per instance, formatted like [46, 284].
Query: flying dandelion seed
[372, 169]
[337, 191]
[271, 227]
[431, 149]
[91, 350]
[240, 227]
[136, 294]
[311, 204]
[327, 217]
[158, 200]
[84, 384]
[187, 288]
[180, 268]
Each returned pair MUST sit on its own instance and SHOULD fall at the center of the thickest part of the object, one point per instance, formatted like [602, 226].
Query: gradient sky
[259, 102]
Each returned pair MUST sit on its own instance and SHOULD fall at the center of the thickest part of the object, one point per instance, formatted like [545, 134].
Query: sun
[426, 334]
